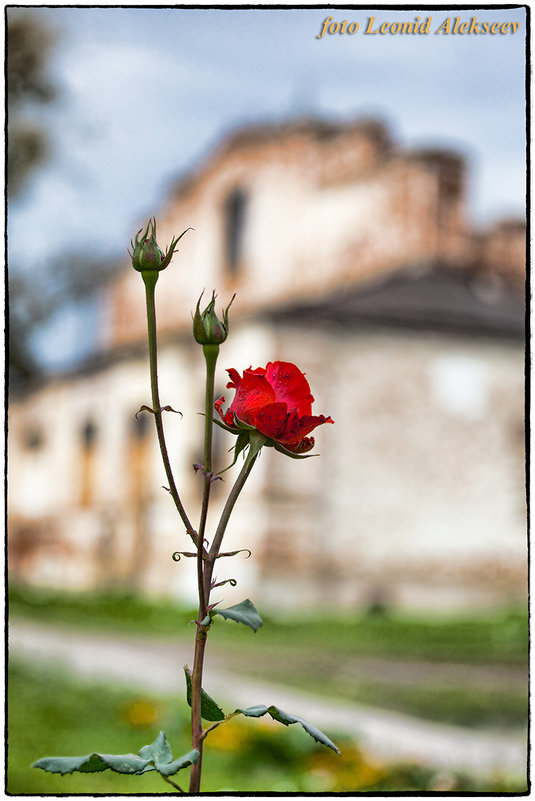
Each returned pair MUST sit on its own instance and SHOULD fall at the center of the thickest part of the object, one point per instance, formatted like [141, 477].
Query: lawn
[51, 714]
[499, 637]
[469, 671]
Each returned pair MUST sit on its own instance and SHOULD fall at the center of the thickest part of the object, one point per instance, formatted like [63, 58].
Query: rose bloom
[276, 401]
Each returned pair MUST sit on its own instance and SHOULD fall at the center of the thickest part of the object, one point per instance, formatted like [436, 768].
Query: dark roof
[431, 298]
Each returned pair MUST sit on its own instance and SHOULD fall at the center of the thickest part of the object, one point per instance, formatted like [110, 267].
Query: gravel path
[157, 665]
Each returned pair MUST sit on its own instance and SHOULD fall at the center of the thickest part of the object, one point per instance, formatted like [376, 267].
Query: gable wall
[321, 214]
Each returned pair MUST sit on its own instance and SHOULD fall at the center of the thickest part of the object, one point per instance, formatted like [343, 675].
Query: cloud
[147, 90]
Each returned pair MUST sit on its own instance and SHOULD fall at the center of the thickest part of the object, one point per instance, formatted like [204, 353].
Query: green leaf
[244, 612]
[287, 720]
[127, 763]
[178, 764]
[209, 709]
[156, 756]
[91, 763]
[70, 764]
[253, 711]
[158, 752]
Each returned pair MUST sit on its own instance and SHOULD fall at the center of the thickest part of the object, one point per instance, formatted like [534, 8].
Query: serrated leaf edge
[238, 608]
[143, 765]
[286, 719]
[101, 762]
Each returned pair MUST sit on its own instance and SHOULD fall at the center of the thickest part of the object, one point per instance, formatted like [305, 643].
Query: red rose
[276, 401]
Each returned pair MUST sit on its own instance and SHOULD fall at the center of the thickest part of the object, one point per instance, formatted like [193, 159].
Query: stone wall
[323, 207]
[418, 496]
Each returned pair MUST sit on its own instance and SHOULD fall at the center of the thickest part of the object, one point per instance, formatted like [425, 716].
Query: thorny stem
[149, 279]
[205, 560]
[197, 734]
[206, 563]
[231, 500]
[210, 354]
[225, 515]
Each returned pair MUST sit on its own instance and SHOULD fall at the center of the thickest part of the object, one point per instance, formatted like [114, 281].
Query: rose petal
[235, 381]
[306, 444]
[277, 402]
[228, 417]
[290, 386]
[271, 420]
[298, 428]
[253, 393]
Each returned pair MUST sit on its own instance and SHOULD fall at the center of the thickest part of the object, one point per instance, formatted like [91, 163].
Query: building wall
[321, 213]
[417, 498]
[85, 514]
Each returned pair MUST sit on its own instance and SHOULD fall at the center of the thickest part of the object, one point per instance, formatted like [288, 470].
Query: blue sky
[145, 93]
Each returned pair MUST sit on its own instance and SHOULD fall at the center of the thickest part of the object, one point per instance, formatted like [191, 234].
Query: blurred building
[355, 260]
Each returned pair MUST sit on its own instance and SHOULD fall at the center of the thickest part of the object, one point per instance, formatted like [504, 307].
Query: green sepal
[240, 428]
[287, 720]
[256, 443]
[242, 425]
[239, 425]
[223, 425]
[244, 612]
[210, 710]
[281, 449]
[208, 329]
[241, 443]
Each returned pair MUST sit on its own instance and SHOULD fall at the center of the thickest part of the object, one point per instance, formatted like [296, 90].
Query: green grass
[499, 702]
[51, 714]
[498, 638]
[470, 706]
[324, 654]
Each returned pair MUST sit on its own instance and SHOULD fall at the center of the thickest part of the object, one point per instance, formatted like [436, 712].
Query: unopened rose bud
[208, 329]
[146, 255]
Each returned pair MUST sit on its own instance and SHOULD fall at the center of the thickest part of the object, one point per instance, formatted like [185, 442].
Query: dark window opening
[89, 434]
[140, 425]
[33, 439]
[235, 208]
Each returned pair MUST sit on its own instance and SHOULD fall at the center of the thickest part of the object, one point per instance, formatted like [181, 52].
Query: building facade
[355, 260]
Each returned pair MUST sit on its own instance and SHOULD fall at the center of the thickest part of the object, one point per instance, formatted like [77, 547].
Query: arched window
[88, 438]
[234, 212]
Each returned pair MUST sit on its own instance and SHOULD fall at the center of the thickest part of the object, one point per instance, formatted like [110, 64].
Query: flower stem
[255, 447]
[211, 353]
[149, 279]
[197, 733]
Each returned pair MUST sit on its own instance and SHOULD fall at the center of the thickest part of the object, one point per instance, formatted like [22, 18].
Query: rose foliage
[275, 401]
